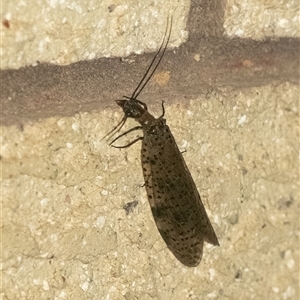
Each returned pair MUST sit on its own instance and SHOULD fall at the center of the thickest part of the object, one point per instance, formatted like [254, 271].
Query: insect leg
[131, 143]
[163, 109]
[124, 133]
[120, 125]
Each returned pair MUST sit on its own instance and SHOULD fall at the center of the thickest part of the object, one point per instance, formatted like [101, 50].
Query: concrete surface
[232, 104]
[68, 31]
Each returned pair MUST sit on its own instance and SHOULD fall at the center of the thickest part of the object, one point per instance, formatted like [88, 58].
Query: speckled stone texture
[233, 108]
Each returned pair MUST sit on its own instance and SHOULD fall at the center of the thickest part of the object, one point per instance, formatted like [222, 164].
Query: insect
[175, 203]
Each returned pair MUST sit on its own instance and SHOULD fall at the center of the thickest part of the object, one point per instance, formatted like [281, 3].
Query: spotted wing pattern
[174, 199]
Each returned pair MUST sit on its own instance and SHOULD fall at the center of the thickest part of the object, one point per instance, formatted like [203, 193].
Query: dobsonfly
[175, 202]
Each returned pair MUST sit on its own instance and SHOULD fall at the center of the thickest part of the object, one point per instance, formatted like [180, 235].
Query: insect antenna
[147, 76]
[141, 85]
